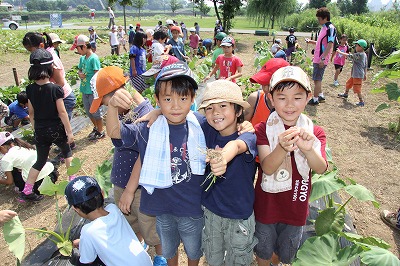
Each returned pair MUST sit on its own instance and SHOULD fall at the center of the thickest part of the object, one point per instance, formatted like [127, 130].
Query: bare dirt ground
[361, 145]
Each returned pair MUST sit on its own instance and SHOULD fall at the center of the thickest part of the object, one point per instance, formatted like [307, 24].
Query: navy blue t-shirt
[233, 195]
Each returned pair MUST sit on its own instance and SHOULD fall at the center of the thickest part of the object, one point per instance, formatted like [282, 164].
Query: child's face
[359, 49]
[290, 103]
[227, 50]
[175, 34]
[343, 41]
[173, 106]
[222, 117]
[193, 32]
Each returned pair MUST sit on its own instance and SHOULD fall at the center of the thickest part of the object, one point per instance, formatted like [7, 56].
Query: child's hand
[151, 117]
[244, 127]
[75, 243]
[206, 78]
[6, 215]
[70, 137]
[81, 75]
[288, 139]
[125, 202]
[121, 98]
[305, 141]
[218, 165]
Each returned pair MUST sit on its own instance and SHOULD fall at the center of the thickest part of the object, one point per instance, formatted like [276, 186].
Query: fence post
[15, 76]
[370, 52]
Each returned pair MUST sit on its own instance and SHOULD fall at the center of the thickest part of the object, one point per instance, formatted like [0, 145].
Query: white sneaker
[335, 83]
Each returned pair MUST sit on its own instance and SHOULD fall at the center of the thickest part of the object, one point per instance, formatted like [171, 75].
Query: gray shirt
[359, 65]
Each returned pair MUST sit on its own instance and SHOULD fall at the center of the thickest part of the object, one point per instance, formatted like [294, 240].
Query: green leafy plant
[263, 53]
[324, 248]
[392, 88]
[28, 134]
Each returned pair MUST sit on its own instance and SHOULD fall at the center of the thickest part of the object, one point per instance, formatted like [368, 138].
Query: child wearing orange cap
[177, 46]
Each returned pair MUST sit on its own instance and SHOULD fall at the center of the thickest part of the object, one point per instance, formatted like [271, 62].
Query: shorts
[138, 83]
[69, 103]
[355, 83]
[4, 111]
[281, 239]
[229, 240]
[140, 222]
[318, 72]
[290, 50]
[338, 67]
[87, 100]
[122, 42]
[172, 229]
[9, 120]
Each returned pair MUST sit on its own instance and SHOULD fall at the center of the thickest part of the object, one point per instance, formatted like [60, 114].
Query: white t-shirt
[111, 13]
[112, 239]
[157, 49]
[23, 159]
[113, 38]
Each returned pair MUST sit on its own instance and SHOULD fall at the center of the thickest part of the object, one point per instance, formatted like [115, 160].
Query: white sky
[306, 1]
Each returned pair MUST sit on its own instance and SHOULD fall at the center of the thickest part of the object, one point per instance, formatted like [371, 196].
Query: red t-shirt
[228, 66]
[289, 207]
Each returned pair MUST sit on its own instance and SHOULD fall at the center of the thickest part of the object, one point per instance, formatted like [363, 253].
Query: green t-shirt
[216, 53]
[88, 66]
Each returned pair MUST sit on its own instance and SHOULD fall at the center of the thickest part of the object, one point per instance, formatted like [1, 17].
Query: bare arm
[62, 113]
[252, 100]
[213, 71]
[129, 192]
[31, 113]
[133, 66]
[342, 53]
[58, 77]
[238, 74]
[121, 99]
[9, 179]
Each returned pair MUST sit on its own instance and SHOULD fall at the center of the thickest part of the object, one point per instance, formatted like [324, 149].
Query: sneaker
[92, 133]
[313, 102]
[98, 135]
[159, 261]
[390, 219]
[321, 99]
[343, 95]
[360, 104]
[29, 197]
[335, 83]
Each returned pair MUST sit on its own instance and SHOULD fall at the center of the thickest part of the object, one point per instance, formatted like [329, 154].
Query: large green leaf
[370, 240]
[329, 220]
[361, 193]
[14, 234]
[378, 257]
[382, 106]
[76, 165]
[325, 185]
[325, 251]
[393, 58]
[65, 247]
[393, 91]
[102, 175]
[47, 187]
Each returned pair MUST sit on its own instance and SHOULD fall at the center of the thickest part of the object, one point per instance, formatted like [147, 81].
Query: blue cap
[176, 70]
[76, 191]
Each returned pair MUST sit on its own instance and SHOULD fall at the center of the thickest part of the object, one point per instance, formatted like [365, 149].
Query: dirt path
[361, 147]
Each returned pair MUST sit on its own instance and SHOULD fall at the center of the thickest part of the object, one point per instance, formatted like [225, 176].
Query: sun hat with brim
[177, 70]
[77, 190]
[362, 43]
[175, 28]
[227, 41]
[79, 40]
[192, 29]
[105, 80]
[40, 57]
[220, 36]
[290, 73]
[160, 62]
[5, 136]
[55, 38]
[263, 76]
[169, 22]
[222, 91]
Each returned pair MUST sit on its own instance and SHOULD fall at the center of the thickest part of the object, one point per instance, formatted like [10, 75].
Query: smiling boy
[289, 147]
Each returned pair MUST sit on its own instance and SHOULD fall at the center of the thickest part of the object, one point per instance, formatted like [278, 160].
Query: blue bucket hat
[76, 191]
[176, 70]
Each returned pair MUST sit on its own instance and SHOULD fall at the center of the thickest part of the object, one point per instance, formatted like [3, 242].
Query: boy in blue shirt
[173, 161]
[18, 111]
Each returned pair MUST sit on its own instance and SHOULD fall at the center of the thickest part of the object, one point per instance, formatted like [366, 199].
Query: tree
[138, 4]
[175, 5]
[122, 3]
[318, 3]
[264, 9]
[204, 9]
[359, 6]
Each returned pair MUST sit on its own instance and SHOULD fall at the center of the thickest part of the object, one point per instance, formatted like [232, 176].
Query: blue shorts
[172, 229]
[281, 239]
[69, 103]
[318, 72]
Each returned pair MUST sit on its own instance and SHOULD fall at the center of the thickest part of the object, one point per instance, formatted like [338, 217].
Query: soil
[361, 145]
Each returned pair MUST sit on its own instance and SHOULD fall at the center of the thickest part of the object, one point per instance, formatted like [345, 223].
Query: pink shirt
[339, 58]
[57, 64]
[194, 41]
[228, 66]
[326, 35]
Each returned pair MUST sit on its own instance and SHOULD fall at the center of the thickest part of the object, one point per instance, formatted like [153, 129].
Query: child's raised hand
[244, 127]
[218, 165]
[305, 140]
[288, 139]
[121, 98]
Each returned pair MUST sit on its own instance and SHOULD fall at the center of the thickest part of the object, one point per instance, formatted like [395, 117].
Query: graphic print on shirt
[227, 64]
[292, 39]
[180, 167]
